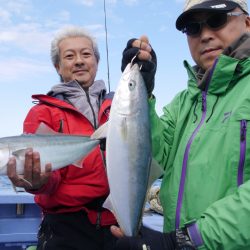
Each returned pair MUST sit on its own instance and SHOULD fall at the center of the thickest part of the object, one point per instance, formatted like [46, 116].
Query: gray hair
[71, 31]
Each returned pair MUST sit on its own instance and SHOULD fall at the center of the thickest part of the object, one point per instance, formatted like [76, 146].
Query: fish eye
[131, 85]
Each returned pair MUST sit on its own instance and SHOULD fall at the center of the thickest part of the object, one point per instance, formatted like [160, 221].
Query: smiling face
[209, 44]
[77, 61]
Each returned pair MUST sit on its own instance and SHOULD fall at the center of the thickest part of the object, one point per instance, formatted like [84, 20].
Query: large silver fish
[128, 150]
[58, 149]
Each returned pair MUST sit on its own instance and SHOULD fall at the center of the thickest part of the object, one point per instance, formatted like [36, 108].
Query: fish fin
[19, 153]
[156, 171]
[101, 132]
[78, 163]
[44, 129]
[108, 204]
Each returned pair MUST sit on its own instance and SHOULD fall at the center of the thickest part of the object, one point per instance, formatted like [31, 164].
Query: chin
[84, 84]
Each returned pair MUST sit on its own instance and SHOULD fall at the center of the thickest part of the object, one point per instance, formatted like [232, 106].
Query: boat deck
[20, 217]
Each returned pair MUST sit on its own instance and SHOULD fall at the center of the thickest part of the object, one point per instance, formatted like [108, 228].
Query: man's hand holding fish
[32, 177]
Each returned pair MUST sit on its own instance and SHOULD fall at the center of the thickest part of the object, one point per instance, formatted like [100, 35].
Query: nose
[206, 33]
[79, 59]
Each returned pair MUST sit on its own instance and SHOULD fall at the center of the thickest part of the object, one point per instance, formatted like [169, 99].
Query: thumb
[116, 231]
[144, 39]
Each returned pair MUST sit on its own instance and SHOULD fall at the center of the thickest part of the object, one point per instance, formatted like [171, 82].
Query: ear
[247, 21]
[57, 68]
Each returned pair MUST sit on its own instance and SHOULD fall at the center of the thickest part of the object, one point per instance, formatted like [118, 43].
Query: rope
[106, 34]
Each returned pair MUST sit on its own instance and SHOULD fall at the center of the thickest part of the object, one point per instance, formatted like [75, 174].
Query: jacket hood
[73, 88]
[82, 99]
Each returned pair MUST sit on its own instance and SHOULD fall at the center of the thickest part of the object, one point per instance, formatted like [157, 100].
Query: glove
[148, 68]
[103, 144]
[152, 240]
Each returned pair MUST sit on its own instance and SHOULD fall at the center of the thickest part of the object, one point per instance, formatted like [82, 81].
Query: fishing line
[106, 35]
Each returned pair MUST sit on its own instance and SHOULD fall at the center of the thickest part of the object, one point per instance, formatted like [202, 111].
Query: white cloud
[5, 16]
[86, 2]
[7, 36]
[64, 15]
[28, 37]
[18, 68]
[17, 6]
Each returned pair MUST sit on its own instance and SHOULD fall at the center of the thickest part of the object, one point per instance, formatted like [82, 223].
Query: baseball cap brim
[207, 6]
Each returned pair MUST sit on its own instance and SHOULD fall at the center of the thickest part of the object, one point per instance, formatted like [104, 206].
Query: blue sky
[27, 27]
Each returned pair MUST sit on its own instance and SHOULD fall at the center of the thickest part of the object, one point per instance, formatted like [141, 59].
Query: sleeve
[225, 224]
[162, 131]
[35, 116]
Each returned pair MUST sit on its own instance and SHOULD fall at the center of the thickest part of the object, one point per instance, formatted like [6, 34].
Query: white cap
[192, 6]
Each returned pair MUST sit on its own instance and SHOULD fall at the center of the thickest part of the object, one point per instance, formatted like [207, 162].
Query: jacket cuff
[195, 235]
[50, 186]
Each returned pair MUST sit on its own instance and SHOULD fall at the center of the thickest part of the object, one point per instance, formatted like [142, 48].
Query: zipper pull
[203, 99]
[243, 130]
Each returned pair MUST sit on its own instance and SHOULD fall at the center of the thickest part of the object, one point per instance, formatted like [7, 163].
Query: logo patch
[226, 116]
[218, 6]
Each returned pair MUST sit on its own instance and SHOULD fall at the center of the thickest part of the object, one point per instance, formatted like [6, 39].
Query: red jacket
[72, 189]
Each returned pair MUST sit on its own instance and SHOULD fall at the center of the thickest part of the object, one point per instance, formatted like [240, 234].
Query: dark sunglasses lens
[217, 20]
[193, 29]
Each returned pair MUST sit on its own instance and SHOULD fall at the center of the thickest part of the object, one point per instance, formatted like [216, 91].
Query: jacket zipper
[92, 109]
[187, 150]
[243, 128]
[185, 160]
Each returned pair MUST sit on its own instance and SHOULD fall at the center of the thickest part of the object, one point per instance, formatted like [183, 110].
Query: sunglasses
[214, 22]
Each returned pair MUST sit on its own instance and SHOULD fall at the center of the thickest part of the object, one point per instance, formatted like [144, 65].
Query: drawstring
[217, 98]
[195, 105]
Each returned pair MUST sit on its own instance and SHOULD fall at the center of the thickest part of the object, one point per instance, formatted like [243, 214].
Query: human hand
[147, 239]
[32, 178]
[146, 59]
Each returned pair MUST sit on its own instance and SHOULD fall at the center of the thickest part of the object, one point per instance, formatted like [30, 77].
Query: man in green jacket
[203, 138]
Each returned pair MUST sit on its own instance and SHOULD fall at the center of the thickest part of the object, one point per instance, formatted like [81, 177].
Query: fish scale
[58, 149]
[128, 150]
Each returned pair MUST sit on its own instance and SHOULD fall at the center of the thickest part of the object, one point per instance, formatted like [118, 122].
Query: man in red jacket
[71, 198]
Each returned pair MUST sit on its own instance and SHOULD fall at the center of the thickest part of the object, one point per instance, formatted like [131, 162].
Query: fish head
[130, 89]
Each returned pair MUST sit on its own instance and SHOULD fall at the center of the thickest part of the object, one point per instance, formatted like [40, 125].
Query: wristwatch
[183, 242]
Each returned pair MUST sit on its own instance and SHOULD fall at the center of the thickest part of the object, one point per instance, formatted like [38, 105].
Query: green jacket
[203, 142]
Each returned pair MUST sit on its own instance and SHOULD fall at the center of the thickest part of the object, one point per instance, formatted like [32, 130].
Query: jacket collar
[231, 65]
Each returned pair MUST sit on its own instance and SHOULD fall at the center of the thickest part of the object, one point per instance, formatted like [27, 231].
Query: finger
[144, 55]
[48, 168]
[40, 177]
[116, 231]
[36, 167]
[17, 180]
[143, 45]
[28, 165]
[11, 169]
[144, 38]
[47, 173]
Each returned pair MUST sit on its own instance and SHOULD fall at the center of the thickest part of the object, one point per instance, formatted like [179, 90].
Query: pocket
[243, 135]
